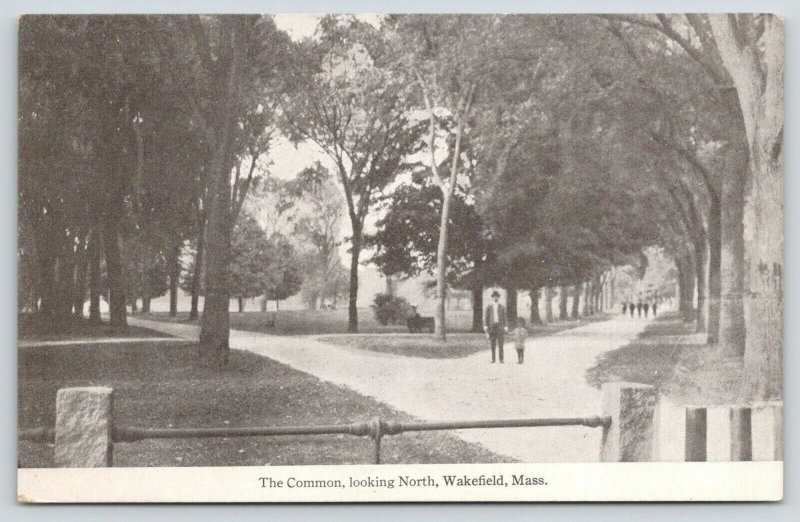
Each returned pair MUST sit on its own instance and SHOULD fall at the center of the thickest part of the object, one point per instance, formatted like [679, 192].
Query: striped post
[741, 433]
[767, 420]
[696, 432]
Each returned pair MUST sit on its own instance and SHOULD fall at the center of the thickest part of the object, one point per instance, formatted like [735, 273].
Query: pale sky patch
[304, 25]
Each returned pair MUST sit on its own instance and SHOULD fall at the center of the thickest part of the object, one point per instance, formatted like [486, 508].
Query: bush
[390, 309]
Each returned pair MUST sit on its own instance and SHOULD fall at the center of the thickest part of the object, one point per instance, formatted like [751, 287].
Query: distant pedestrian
[655, 307]
[646, 308]
[495, 325]
[520, 334]
[624, 308]
[639, 308]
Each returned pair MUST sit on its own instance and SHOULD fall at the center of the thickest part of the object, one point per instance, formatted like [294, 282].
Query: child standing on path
[520, 334]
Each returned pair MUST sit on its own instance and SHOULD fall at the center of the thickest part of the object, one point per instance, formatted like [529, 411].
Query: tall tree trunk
[714, 260]
[81, 266]
[477, 309]
[576, 301]
[732, 269]
[46, 272]
[612, 290]
[511, 306]
[441, 270]
[94, 277]
[533, 293]
[763, 356]
[689, 275]
[587, 291]
[215, 324]
[597, 289]
[562, 303]
[174, 278]
[601, 297]
[144, 278]
[197, 274]
[64, 278]
[681, 268]
[548, 304]
[116, 280]
[355, 252]
[240, 301]
[700, 276]
[753, 53]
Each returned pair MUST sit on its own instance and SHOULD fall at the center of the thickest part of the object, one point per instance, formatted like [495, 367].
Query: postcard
[400, 257]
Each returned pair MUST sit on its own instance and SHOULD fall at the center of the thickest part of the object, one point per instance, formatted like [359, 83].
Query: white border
[596, 482]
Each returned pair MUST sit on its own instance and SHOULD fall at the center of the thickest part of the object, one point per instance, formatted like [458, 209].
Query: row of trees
[674, 138]
[491, 149]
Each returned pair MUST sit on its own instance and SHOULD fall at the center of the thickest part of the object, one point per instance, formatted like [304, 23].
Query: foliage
[390, 309]
[407, 234]
[355, 109]
[251, 255]
[283, 278]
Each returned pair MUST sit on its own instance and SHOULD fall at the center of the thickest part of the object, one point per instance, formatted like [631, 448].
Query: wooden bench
[418, 323]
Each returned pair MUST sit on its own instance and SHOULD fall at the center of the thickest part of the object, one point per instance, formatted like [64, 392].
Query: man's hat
[495, 294]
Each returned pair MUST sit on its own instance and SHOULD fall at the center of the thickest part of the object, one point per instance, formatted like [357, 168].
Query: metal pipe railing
[136, 434]
[38, 435]
[392, 428]
[376, 429]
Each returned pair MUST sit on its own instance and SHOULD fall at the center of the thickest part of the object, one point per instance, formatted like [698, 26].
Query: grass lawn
[666, 356]
[457, 345]
[164, 385]
[36, 328]
[317, 322]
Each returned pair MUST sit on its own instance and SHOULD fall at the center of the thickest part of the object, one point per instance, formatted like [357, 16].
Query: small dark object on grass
[417, 323]
[269, 321]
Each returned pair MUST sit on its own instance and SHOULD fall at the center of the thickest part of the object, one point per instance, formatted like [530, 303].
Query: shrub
[390, 309]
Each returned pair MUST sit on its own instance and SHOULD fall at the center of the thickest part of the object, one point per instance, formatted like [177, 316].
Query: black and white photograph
[400, 257]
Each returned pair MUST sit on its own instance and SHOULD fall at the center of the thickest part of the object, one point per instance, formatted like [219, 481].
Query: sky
[286, 159]
[302, 25]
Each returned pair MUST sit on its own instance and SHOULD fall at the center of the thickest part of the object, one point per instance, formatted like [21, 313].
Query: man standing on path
[495, 325]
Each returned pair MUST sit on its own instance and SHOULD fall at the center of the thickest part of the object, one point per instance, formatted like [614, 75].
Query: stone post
[84, 424]
[630, 436]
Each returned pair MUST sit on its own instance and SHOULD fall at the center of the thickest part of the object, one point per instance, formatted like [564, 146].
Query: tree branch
[431, 129]
[718, 75]
[239, 203]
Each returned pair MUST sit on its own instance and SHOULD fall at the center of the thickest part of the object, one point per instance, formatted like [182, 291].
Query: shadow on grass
[314, 322]
[35, 327]
[668, 356]
[160, 384]
[458, 344]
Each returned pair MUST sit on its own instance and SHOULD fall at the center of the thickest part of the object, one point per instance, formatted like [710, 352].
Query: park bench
[418, 323]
